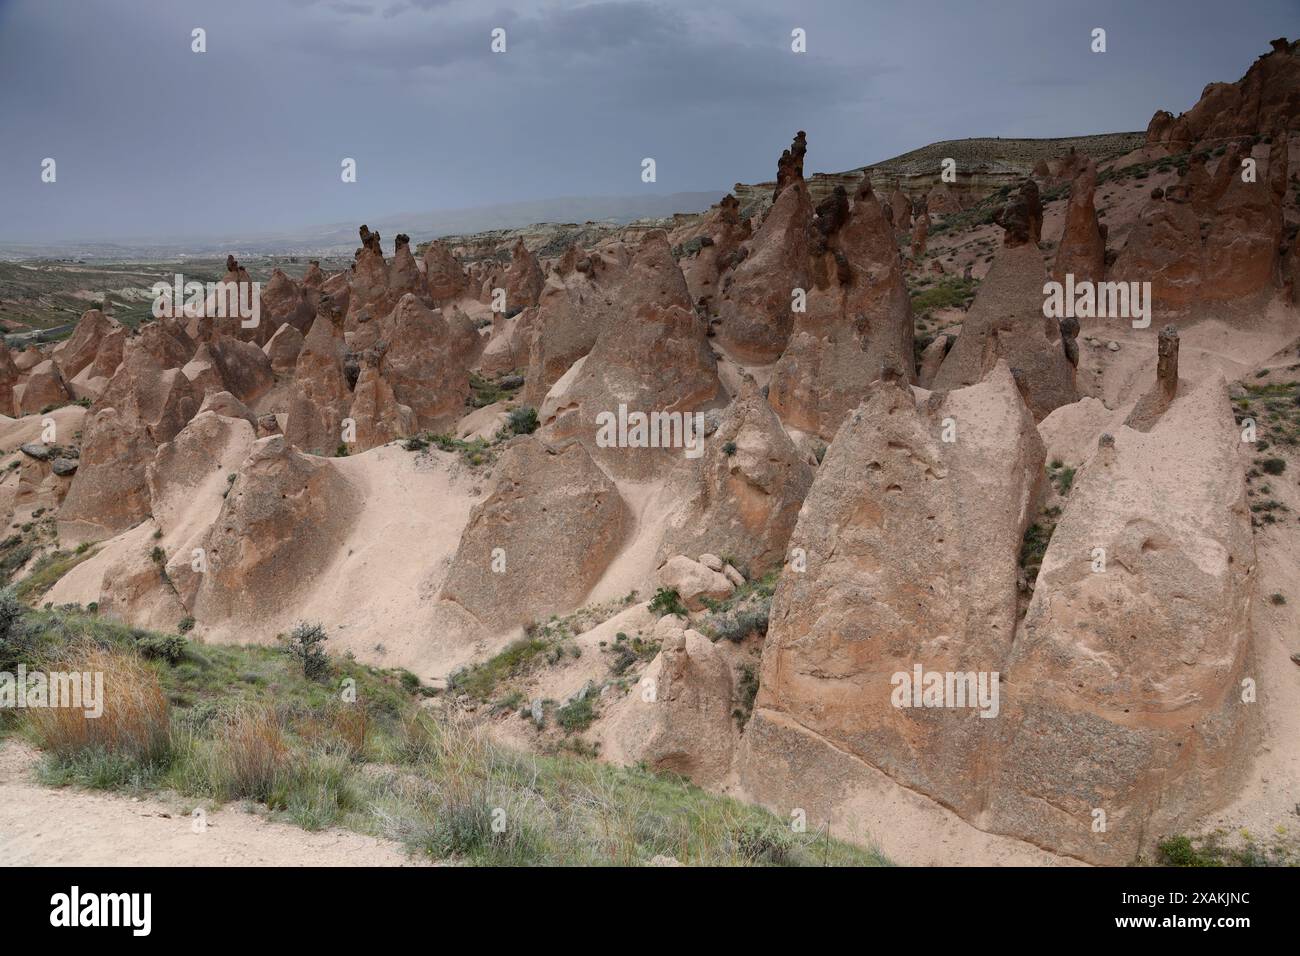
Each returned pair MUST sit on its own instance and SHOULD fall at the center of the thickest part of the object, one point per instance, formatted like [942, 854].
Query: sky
[153, 139]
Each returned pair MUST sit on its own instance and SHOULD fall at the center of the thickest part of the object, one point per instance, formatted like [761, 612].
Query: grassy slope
[242, 723]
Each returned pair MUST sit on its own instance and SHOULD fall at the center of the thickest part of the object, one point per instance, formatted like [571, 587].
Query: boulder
[694, 582]
[685, 726]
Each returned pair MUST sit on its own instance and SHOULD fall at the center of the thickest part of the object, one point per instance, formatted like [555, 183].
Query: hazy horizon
[152, 139]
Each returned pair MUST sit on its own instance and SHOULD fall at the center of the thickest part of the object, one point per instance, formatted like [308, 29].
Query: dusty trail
[40, 826]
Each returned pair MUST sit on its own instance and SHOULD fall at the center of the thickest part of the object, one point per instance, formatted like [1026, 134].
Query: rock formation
[557, 521]
[858, 319]
[1082, 250]
[1006, 321]
[894, 522]
[1096, 717]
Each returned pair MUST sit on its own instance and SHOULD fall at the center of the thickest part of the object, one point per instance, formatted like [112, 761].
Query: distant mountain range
[341, 238]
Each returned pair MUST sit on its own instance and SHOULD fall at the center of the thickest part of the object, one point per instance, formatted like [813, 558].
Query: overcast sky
[153, 139]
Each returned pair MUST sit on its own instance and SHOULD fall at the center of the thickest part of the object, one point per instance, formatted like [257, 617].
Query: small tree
[307, 645]
[15, 635]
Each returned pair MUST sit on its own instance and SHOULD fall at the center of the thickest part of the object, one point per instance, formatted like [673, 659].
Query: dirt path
[40, 826]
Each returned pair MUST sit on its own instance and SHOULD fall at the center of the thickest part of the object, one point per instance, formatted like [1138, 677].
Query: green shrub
[577, 715]
[1273, 466]
[523, 421]
[667, 601]
[306, 645]
[163, 647]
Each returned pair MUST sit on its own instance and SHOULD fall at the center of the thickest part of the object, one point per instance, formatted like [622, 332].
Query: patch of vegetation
[577, 715]
[1037, 537]
[1215, 849]
[243, 723]
[1273, 466]
[481, 680]
[522, 421]
[744, 612]
[485, 392]
[473, 453]
[948, 293]
[1061, 477]
[628, 651]
[746, 694]
[306, 645]
[47, 571]
[667, 601]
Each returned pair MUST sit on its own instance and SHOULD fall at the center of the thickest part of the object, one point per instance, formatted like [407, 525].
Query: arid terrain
[821, 513]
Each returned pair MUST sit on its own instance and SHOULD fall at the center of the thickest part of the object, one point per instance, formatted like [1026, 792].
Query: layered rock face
[858, 320]
[1096, 716]
[557, 521]
[1006, 322]
[891, 530]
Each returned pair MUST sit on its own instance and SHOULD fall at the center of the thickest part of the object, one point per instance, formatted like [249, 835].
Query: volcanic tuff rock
[277, 530]
[755, 308]
[895, 522]
[41, 387]
[444, 276]
[716, 241]
[1265, 100]
[81, 348]
[1006, 321]
[743, 497]
[1211, 239]
[577, 307]
[789, 168]
[1096, 716]
[283, 348]
[524, 279]
[858, 320]
[379, 416]
[695, 583]
[320, 397]
[426, 361]
[659, 362]
[686, 727]
[558, 522]
[1082, 250]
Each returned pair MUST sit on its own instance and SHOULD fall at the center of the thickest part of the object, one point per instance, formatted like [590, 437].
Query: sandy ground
[44, 827]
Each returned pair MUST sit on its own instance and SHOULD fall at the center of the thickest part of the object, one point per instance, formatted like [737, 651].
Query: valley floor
[40, 826]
